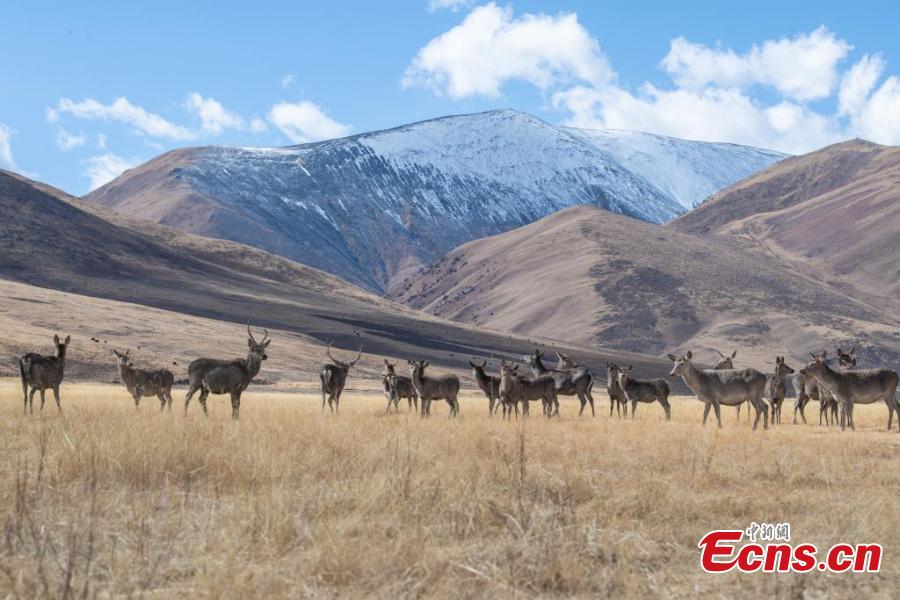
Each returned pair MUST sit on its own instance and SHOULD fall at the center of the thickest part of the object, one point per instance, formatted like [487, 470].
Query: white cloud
[878, 119]
[491, 47]
[101, 141]
[123, 111]
[214, 117]
[454, 5]
[67, 141]
[6, 155]
[288, 80]
[257, 125]
[858, 82]
[305, 122]
[803, 67]
[104, 168]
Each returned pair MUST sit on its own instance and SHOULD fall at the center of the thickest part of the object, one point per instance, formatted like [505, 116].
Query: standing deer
[643, 390]
[508, 395]
[334, 376]
[727, 362]
[397, 387]
[616, 395]
[807, 388]
[728, 387]
[445, 387]
[856, 387]
[43, 372]
[140, 383]
[488, 384]
[525, 390]
[570, 382]
[776, 387]
[212, 375]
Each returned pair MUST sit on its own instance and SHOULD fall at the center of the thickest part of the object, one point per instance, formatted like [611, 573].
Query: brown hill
[833, 213]
[50, 240]
[593, 277]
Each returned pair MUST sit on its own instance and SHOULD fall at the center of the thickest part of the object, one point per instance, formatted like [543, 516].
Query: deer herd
[837, 389]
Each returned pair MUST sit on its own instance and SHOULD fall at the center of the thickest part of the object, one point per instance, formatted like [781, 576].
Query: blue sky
[91, 88]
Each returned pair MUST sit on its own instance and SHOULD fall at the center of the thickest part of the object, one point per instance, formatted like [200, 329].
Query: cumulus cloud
[288, 80]
[122, 111]
[104, 168]
[214, 117]
[305, 122]
[491, 47]
[858, 82]
[454, 5]
[66, 141]
[6, 154]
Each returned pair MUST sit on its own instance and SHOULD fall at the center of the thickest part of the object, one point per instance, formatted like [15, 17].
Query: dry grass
[288, 503]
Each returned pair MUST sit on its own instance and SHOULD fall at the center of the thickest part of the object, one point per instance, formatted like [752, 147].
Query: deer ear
[733, 354]
[672, 357]
[266, 343]
[68, 339]
[689, 355]
[630, 367]
[426, 363]
[56, 339]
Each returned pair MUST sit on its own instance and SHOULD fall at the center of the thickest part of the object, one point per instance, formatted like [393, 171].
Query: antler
[250, 333]
[358, 354]
[720, 353]
[329, 355]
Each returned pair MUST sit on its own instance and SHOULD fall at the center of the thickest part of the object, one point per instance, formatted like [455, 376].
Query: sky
[89, 89]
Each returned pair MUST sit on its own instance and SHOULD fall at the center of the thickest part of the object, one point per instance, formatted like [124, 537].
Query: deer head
[388, 368]
[726, 362]
[258, 349]
[61, 347]
[681, 365]
[344, 364]
[846, 359]
[781, 368]
[124, 361]
[817, 365]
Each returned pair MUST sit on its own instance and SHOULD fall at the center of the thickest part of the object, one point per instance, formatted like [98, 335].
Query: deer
[856, 387]
[397, 387]
[216, 376]
[333, 377]
[488, 384]
[140, 383]
[728, 387]
[445, 387]
[776, 387]
[727, 362]
[616, 395]
[42, 373]
[807, 388]
[525, 389]
[570, 382]
[643, 390]
[507, 394]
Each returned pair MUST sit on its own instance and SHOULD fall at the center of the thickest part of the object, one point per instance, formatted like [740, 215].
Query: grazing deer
[488, 384]
[776, 387]
[445, 387]
[807, 388]
[140, 383]
[43, 372]
[643, 390]
[728, 387]
[334, 376]
[856, 387]
[569, 382]
[616, 395]
[212, 375]
[526, 389]
[397, 387]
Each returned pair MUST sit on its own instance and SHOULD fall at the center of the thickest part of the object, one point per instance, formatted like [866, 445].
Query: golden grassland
[106, 501]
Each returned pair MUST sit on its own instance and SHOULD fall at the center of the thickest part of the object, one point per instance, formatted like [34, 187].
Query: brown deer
[333, 377]
[397, 387]
[727, 362]
[728, 387]
[807, 387]
[616, 395]
[488, 384]
[570, 382]
[444, 387]
[776, 387]
[523, 389]
[643, 390]
[140, 383]
[507, 395]
[43, 372]
[213, 375]
[856, 387]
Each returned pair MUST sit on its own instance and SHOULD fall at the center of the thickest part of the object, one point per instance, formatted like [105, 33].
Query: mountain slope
[833, 213]
[50, 240]
[372, 208]
[594, 277]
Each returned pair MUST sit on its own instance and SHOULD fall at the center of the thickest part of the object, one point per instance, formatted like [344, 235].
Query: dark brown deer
[570, 382]
[807, 388]
[488, 384]
[643, 390]
[397, 387]
[213, 375]
[443, 387]
[334, 376]
[524, 389]
[42, 373]
[776, 387]
[140, 383]
[508, 397]
[616, 395]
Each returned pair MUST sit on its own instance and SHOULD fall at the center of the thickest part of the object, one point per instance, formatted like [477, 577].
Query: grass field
[286, 502]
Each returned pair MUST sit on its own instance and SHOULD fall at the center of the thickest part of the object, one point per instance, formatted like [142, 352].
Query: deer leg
[187, 399]
[590, 398]
[204, 392]
[583, 401]
[611, 402]
[890, 412]
[633, 408]
[136, 395]
[323, 398]
[706, 412]
[739, 412]
[718, 414]
[31, 400]
[42, 400]
[25, 409]
[337, 401]
[162, 401]
[56, 397]
[235, 405]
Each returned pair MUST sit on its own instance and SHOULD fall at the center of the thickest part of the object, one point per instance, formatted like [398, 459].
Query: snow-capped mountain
[376, 206]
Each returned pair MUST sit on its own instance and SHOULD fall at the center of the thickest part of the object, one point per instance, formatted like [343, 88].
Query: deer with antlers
[140, 383]
[43, 373]
[216, 376]
[397, 387]
[333, 377]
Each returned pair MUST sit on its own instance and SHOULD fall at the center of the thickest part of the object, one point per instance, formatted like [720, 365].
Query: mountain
[373, 208]
[833, 214]
[67, 264]
[596, 278]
